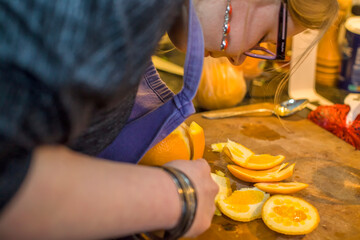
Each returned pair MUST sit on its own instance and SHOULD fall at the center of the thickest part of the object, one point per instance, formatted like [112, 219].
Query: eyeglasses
[263, 53]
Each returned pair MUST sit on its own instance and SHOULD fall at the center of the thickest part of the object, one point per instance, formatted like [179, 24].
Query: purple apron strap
[141, 134]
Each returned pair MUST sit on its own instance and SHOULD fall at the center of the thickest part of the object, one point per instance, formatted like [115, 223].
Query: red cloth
[333, 119]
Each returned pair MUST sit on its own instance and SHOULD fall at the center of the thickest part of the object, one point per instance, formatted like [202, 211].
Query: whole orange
[222, 85]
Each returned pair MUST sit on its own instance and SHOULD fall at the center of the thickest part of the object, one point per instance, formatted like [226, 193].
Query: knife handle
[227, 114]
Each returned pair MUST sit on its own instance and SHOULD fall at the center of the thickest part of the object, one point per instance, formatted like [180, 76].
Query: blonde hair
[311, 14]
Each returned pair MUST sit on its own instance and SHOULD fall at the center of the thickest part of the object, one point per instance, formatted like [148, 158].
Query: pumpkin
[222, 85]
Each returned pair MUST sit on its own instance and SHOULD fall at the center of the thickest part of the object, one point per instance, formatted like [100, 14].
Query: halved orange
[183, 143]
[175, 146]
[275, 174]
[197, 140]
[243, 205]
[282, 187]
[290, 215]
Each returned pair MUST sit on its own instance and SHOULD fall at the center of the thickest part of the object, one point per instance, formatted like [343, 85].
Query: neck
[179, 29]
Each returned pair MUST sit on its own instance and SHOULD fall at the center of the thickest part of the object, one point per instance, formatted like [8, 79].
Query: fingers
[203, 164]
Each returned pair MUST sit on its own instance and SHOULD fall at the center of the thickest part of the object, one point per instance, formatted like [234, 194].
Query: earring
[226, 27]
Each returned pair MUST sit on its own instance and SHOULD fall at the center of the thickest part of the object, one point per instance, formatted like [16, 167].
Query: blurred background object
[328, 51]
[353, 100]
[350, 69]
[263, 76]
[165, 56]
[333, 119]
[252, 67]
[302, 82]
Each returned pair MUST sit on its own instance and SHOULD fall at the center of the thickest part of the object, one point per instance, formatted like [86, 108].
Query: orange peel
[282, 187]
[197, 140]
[290, 215]
[275, 174]
[238, 153]
[218, 147]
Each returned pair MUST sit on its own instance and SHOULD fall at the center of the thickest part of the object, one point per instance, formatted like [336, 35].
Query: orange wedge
[237, 152]
[275, 174]
[282, 188]
[197, 140]
[290, 215]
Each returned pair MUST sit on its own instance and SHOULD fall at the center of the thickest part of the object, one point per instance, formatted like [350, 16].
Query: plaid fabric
[69, 72]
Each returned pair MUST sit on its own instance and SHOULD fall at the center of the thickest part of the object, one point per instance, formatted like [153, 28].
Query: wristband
[188, 201]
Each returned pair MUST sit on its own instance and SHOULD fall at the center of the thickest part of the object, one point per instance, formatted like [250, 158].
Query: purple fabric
[152, 119]
[151, 94]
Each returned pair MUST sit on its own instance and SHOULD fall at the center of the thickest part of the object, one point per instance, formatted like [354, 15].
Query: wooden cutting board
[329, 165]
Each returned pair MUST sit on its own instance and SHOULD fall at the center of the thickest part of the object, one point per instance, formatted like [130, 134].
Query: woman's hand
[206, 189]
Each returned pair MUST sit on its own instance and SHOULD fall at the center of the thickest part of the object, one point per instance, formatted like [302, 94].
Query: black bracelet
[188, 200]
[189, 205]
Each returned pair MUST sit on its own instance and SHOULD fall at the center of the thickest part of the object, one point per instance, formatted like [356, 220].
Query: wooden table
[329, 165]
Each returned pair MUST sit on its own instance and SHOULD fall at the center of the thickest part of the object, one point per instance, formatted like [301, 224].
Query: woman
[71, 93]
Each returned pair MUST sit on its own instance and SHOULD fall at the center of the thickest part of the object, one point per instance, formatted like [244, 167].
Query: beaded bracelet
[188, 200]
[226, 26]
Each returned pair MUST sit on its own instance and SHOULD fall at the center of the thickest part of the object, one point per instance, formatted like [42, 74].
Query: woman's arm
[69, 195]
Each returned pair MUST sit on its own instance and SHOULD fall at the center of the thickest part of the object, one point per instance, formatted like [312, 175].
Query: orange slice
[237, 152]
[275, 174]
[244, 205]
[290, 215]
[283, 188]
[197, 140]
